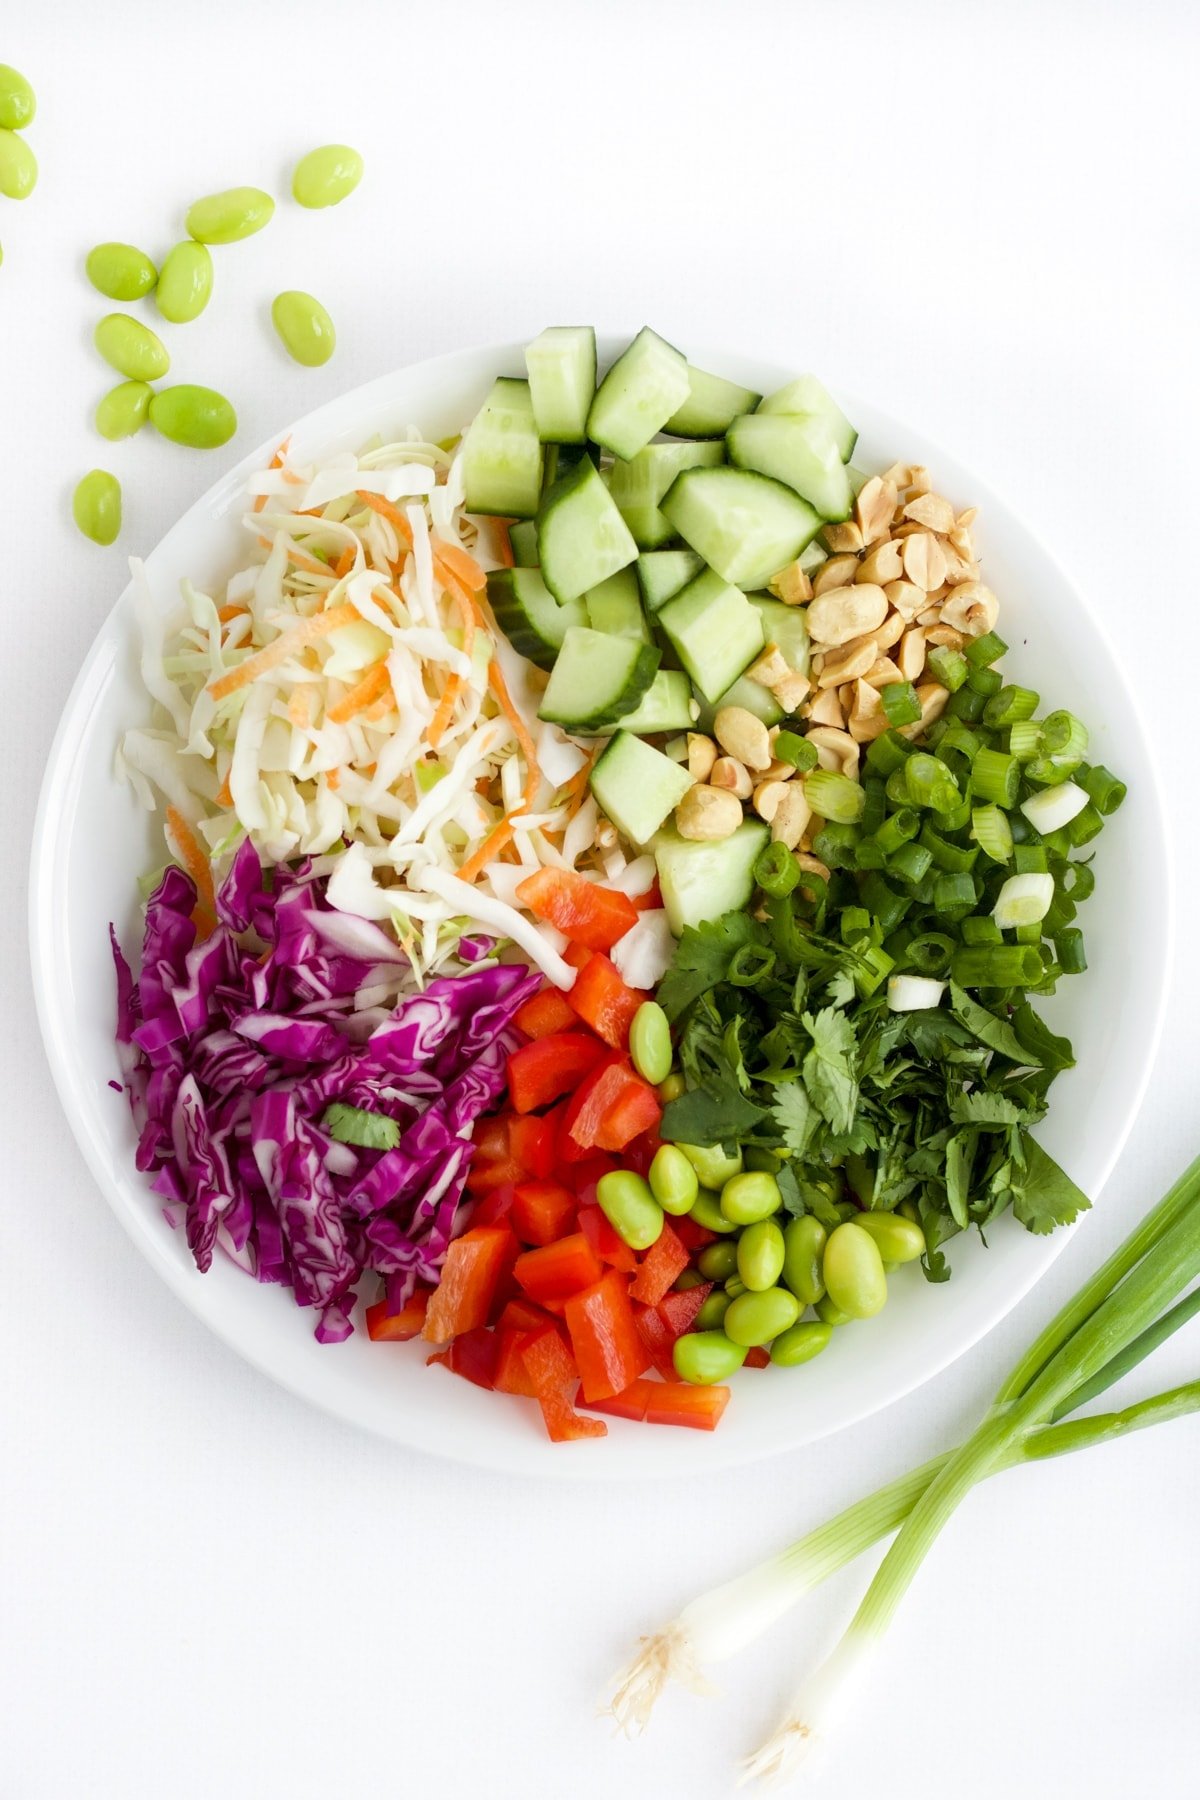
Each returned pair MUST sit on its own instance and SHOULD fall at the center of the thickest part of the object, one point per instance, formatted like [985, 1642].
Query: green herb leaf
[983, 1107]
[705, 1116]
[995, 1032]
[1046, 1196]
[958, 1177]
[795, 1116]
[355, 1125]
[829, 1069]
[702, 959]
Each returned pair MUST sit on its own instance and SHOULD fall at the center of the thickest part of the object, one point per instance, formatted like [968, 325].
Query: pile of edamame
[182, 286]
[18, 164]
[768, 1269]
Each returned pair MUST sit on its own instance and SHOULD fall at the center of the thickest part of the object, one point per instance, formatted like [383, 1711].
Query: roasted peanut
[846, 612]
[742, 735]
[708, 814]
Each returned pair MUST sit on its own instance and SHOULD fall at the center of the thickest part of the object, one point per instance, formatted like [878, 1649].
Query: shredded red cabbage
[233, 1045]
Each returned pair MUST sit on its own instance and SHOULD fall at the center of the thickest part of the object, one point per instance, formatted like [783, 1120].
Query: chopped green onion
[930, 953]
[777, 870]
[790, 748]
[1076, 880]
[955, 894]
[980, 928]
[960, 737]
[1054, 807]
[750, 964]
[855, 922]
[1086, 825]
[888, 753]
[875, 810]
[966, 704]
[834, 796]
[998, 965]
[1025, 739]
[868, 855]
[990, 829]
[985, 681]
[1103, 789]
[1023, 900]
[1068, 947]
[947, 666]
[886, 905]
[1030, 859]
[900, 703]
[911, 862]
[873, 967]
[982, 651]
[1028, 934]
[1009, 706]
[837, 844]
[947, 856]
[898, 829]
[995, 776]
[930, 784]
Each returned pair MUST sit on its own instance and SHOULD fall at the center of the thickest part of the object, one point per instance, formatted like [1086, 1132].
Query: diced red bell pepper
[545, 1012]
[531, 1141]
[490, 1136]
[495, 1205]
[582, 910]
[679, 1403]
[558, 1270]
[757, 1358]
[576, 955]
[651, 900]
[486, 1173]
[695, 1236]
[604, 1337]
[586, 1176]
[553, 1065]
[661, 1266]
[471, 1273]
[640, 1152]
[553, 1374]
[678, 1310]
[398, 1327]
[610, 1107]
[630, 1404]
[603, 1001]
[542, 1211]
[659, 1340]
[512, 1377]
[472, 1355]
[521, 1314]
[635, 1111]
[605, 1241]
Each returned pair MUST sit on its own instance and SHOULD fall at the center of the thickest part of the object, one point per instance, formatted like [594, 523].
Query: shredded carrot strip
[361, 694]
[345, 562]
[290, 475]
[533, 778]
[578, 786]
[493, 843]
[260, 500]
[299, 708]
[224, 795]
[226, 613]
[333, 780]
[382, 706]
[204, 919]
[299, 557]
[193, 859]
[444, 713]
[504, 542]
[453, 559]
[387, 511]
[319, 626]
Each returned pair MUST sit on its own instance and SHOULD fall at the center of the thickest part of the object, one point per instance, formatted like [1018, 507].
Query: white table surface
[984, 217]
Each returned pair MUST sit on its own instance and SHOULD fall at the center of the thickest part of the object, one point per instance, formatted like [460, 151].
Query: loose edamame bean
[196, 416]
[673, 1088]
[96, 506]
[717, 1262]
[829, 1314]
[712, 1311]
[325, 176]
[853, 1271]
[124, 410]
[712, 1164]
[650, 1042]
[673, 1181]
[757, 1318]
[131, 348]
[899, 1239]
[800, 1343]
[703, 1357]
[803, 1248]
[763, 1161]
[18, 103]
[226, 217]
[120, 271]
[735, 1287]
[747, 1198]
[305, 328]
[707, 1212]
[630, 1208]
[18, 167]
[691, 1278]
[185, 282]
[760, 1255]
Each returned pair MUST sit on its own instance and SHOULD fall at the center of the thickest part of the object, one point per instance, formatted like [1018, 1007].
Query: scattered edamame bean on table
[198, 417]
[305, 328]
[96, 506]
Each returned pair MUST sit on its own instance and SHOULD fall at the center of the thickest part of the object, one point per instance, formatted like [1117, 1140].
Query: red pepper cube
[661, 1266]
[611, 1106]
[552, 1066]
[384, 1327]
[487, 1173]
[631, 1403]
[608, 1245]
[511, 1376]
[531, 1142]
[582, 910]
[490, 1136]
[474, 1266]
[549, 1011]
[679, 1403]
[494, 1206]
[604, 1337]
[557, 1271]
[542, 1211]
[473, 1355]
[603, 1001]
[693, 1235]
[757, 1358]
[635, 1112]
[552, 1371]
[678, 1310]
[659, 1340]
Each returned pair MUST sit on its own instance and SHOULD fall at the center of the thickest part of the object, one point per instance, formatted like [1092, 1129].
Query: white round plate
[92, 841]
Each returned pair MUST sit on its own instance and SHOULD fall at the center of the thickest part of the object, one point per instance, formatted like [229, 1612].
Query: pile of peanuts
[901, 577]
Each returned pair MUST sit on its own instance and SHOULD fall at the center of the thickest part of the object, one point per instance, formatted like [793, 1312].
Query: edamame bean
[803, 1248]
[630, 1208]
[96, 506]
[18, 167]
[800, 1343]
[764, 1161]
[713, 1165]
[124, 410]
[673, 1181]
[703, 1357]
[196, 416]
[691, 1278]
[673, 1088]
[18, 103]
[185, 282]
[735, 1287]
[747, 1198]
[757, 1318]
[325, 176]
[829, 1314]
[707, 1212]
[650, 1042]
[853, 1271]
[120, 271]
[225, 217]
[760, 1255]
[717, 1262]
[899, 1239]
[712, 1311]
[131, 348]
[305, 328]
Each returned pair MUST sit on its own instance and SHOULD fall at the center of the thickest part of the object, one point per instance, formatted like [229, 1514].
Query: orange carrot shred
[287, 644]
[533, 778]
[193, 859]
[387, 511]
[260, 500]
[491, 846]
[361, 694]
[453, 559]
[444, 713]
[345, 562]
[504, 547]
[333, 780]
[226, 613]
[224, 794]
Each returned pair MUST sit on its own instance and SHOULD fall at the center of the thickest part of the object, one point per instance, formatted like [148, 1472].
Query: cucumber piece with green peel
[522, 535]
[715, 631]
[582, 538]
[701, 881]
[786, 626]
[637, 787]
[596, 679]
[807, 395]
[502, 454]
[746, 693]
[746, 526]
[561, 364]
[795, 448]
[616, 607]
[529, 615]
[661, 574]
[667, 705]
[638, 485]
[645, 385]
[711, 406]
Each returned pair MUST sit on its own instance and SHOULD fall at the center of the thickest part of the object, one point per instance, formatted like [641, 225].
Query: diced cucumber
[744, 525]
[522, 535]
[637, 786]
[529, 615]
[814, 554]
[561, 363]
[857, 480]
[562, 458]
[751, 695]
[661, 573]
[786, 626]
[638, 485]
[643, 388]
[701, 881]
[667, 705]
[616, 607]
[715, 631]
[796, 448]
[595, 679]
[502, 455]
[711, 406]
[582, 538]
[806, 395]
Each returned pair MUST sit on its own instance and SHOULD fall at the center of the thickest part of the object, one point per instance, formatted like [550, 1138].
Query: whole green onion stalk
[1116, 1319]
